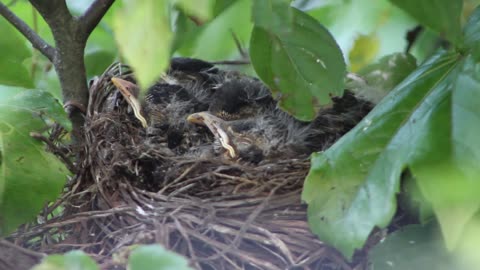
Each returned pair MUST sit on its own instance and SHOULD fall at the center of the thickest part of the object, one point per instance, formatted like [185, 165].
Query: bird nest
[131, 188]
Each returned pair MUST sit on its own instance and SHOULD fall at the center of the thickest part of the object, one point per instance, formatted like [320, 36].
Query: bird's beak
[216, 126]
[130, 93]
[196, 118]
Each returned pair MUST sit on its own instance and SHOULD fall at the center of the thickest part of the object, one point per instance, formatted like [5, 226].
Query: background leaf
[215, 41]
[29, 176]
[152, 257]
[97, 61]
[273, 15]
[12, 71]
[442, 16]
[379, 78]
[71, 260]
[144, 38]
[304, 65]
[364, 51]
[346, 20]
[471, 34]
[201, 9]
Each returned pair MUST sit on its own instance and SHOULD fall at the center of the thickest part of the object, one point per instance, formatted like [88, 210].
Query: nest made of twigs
[220, 214]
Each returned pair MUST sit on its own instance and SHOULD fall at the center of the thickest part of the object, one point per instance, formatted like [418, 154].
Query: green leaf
[306, 5]
[348, 19]
[364, 50]
[381, 77]
[273, 15]
[200, 9]
[414, 247]
[215, 41]
[40, 103]
[73, 260]
[29, 176]
[97, 61]
[186, 33]
[303, 66]
[144, 38]
[442, 16]
[351, 187]
[414, 202]
[15, 51]
[221, 5]
[447, 169]
[152, 257]
[471, 34]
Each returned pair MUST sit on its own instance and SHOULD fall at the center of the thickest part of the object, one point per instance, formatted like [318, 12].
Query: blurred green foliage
[146, 257]
[426, 123]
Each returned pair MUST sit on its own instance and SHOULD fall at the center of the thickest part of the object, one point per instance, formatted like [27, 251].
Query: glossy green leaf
[447, 169]
[73, 260]
[29, 176]
[303, 66]
[414, 247]
[351, 187]
[14, 51]
[153, 257]
[442, 16]
[144, 38]
[471, 34]
[381, 77]
[97, 61]
[200, 9]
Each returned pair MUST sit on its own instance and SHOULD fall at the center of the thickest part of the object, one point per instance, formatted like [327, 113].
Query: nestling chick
[196, 105]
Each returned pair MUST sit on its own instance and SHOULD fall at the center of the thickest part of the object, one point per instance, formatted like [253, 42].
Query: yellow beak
[130, 93]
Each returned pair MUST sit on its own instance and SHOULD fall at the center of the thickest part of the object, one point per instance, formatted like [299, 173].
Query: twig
[32, 253]
[231, 62]
[94, 14]
[37, 42]
[242, 52]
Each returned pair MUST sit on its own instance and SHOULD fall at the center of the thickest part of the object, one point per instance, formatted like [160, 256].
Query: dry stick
[242, 52]
[244, 228]
[183, 232]
[37, 255]
[180, 178]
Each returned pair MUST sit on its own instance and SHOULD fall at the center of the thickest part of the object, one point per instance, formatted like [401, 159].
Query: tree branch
[37, 42]
[93, 15]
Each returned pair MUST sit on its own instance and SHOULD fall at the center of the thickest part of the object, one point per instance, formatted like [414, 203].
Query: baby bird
[196, 105]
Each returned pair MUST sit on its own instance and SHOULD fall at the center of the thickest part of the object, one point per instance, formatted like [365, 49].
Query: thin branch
[94, 14]
[37, 42]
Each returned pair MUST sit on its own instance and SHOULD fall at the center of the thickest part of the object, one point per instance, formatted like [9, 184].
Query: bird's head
[219, 129]
[237, 145]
